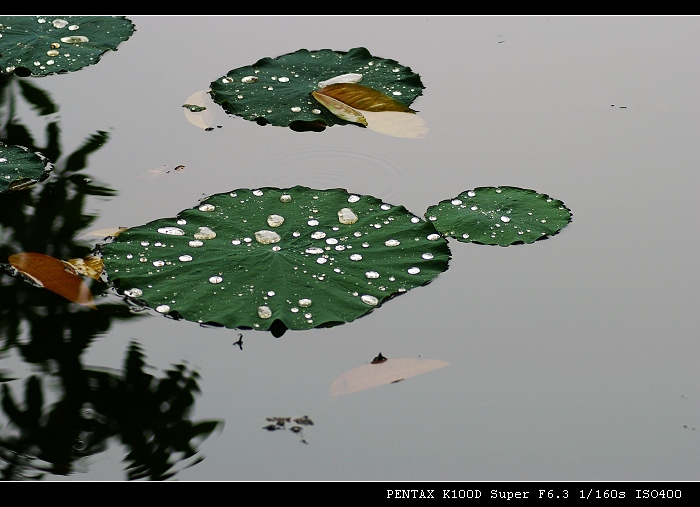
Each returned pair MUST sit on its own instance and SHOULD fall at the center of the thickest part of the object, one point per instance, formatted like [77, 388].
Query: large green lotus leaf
[278, 90]
[21, 168]
[295, 258]
[499, 216]
[44, 45]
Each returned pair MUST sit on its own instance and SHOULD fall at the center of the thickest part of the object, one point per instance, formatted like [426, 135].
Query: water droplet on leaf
[347, 216]
[174, 231]
[275, 220]
[204, 233]
[369, 299]
[267, 237]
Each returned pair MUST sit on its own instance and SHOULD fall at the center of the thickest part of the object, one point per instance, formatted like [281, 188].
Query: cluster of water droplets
[248, 89]
[518, 211]
[66, 37]
[4, 160]
[495, 218]
[318, 249]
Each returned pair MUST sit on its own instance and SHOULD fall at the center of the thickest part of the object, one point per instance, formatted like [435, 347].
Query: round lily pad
[44, 45]
[278, 90]
[272, 259]
[21, 168]
[499, 216]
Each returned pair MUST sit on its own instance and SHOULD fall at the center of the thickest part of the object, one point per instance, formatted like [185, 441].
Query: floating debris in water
[280, 423]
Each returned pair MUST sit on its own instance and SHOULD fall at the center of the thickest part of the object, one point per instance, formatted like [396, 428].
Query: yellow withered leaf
[361, 97]
[55, 275]
[88, 266]
[340, 109]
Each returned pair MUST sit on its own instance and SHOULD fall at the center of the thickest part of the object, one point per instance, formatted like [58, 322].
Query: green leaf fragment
[44, 45]
[21, 168]
[296, 258]
[499, 216]
[194, 108]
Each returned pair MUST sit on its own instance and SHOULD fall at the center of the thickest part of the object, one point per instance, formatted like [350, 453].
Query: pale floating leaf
[381, 373]
[199, 110]
[343, 78]
[396, 124]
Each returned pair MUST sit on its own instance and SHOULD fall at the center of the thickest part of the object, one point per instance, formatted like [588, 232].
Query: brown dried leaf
[55, 275]
[361, 97]
[340, 109]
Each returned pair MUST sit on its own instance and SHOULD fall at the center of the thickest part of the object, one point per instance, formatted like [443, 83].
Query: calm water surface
[573, 358]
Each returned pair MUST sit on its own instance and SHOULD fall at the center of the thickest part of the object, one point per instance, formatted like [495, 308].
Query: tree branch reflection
[68, 411]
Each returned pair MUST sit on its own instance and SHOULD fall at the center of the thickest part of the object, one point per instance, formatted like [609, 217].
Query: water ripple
[355, 171]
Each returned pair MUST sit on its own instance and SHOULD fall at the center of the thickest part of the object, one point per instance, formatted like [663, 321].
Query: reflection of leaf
[377, 111]
[53, 274]
[382, 372]
[37, 98]
[78, 159]
[299, 257]
[150, 415]
[499, 216]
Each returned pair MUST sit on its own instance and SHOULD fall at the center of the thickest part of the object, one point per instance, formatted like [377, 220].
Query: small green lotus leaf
[21, 168]
[278, 90]
[44, 45]
[268, 258]
[499, 216]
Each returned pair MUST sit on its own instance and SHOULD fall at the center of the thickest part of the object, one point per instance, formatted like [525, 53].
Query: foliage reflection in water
[92, 409]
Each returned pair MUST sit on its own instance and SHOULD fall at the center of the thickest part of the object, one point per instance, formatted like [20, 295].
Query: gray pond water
[573, 358]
